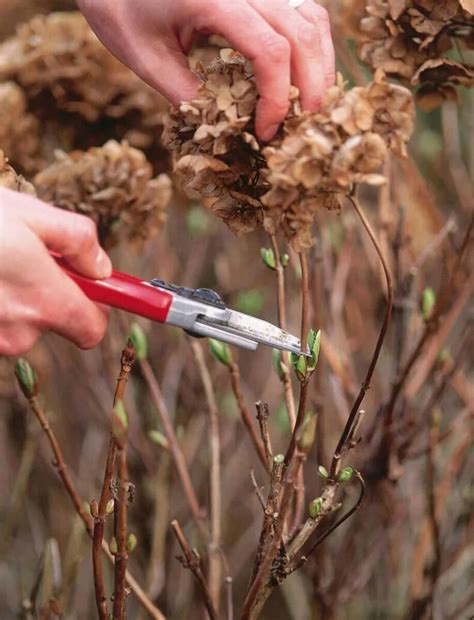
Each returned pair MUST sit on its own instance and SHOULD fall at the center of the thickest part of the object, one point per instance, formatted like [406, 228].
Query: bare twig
[304, 299]
[215, 559]
[270, 513]
[263, 413]
[258, 490]
[229, 598]
[430, 329]
[281, 305]
[348, 431]
[304, 558]
[66, 479]
[59, 463]
[120, 530]
[174, 447]
[99, 510]
[262, 584]
[191, 560]
[245, 414]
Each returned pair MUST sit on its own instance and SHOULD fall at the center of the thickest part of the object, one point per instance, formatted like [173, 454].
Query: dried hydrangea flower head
[409, 40]
[60, 63]
[325, 153]
[19, 135]
[9, 179]
[212, 139]
[315, 157]
[113, 185]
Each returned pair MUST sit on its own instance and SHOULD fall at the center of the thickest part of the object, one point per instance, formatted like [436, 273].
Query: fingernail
[103, 265]
[269, 133]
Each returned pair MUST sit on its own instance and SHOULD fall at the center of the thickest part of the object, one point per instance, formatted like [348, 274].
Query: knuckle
[277, 49]
[308, 37]
[322, 13]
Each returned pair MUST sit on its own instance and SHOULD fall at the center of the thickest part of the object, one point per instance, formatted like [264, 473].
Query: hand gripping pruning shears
[200, 312]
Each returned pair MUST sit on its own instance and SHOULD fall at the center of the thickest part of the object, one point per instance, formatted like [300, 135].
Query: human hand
[286, 46]
[35, 294]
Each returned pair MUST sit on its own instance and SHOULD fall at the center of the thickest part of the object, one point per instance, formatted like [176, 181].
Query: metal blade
[259, 331]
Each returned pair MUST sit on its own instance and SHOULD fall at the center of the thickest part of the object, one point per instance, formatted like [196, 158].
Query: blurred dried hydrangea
[408, 39]
[314, 158]
[61, 64]
[113, 185]
[9, 179]
[19, 130]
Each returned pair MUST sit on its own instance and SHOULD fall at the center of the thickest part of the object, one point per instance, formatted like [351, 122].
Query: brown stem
[174, 447]
[281, 306]
[304, 299]
[430, 329]
[120, 530]
[63, 472]
[98, 534]
[299, 422]
[261, 585]
[245, 414]
[126, 362]
[59, 463]
[229, 598]
[270, 509]
[215, 560]
[191, 561]
[348, 431]
[263, 413]
[304, 558]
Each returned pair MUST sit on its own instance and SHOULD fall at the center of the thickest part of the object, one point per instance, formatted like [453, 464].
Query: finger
[65, 310]
[167, 70]
[70, 234]
[252, 35]
[318, 15]
[307, 60]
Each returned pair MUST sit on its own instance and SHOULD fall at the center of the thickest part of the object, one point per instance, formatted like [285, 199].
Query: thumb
[70, 234]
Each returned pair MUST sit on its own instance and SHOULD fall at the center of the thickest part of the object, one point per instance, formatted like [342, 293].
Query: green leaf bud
[268, 258]
[220, 350]
[139, 341]
[315, 507]
[26, 378]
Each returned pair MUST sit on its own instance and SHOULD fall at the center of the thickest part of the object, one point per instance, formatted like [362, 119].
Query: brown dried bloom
[213, 141]
[405, 38]
[315, 157]
[57, 59]
[9, 179]
[325, 153]
[113, 185]
[19, 135]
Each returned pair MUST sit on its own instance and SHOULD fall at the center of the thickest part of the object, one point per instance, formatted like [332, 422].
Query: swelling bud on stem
[139, 341]
[220, 351]
[26, 378]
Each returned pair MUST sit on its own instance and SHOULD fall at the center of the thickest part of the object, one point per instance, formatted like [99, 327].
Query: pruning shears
[200, 312]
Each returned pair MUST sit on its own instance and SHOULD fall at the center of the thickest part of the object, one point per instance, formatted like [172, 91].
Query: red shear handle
[124, 292]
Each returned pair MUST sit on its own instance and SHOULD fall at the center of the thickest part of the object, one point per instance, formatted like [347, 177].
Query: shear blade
[264, 333]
